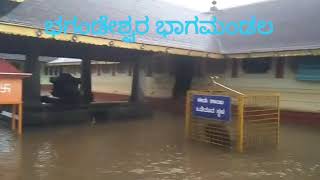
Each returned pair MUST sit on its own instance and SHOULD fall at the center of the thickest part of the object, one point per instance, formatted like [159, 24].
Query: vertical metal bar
[20, 119]
[240, 123]
[13, 118]
[188, 114]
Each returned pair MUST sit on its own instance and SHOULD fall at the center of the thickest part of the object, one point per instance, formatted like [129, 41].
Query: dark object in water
[65, 90]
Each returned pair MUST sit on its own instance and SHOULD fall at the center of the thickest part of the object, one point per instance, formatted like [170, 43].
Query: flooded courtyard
[149, 149]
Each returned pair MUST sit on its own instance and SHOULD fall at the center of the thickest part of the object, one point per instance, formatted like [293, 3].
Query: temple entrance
[184, 70]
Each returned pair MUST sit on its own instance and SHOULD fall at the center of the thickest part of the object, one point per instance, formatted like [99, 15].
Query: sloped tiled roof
[296, 22]
[34, 13]
[74, 61]
[6, 67]
[296, 26]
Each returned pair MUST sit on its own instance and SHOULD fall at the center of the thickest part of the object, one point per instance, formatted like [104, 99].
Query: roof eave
[20, 30]
[26, 31]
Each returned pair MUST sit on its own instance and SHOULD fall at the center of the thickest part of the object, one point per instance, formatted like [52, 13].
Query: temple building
[285, 61]
[295, 78]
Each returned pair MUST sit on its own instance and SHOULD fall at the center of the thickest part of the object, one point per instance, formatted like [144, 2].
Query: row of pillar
[32, 85]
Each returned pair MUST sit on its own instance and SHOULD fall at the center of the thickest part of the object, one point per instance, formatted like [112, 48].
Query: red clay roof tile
[6, 67]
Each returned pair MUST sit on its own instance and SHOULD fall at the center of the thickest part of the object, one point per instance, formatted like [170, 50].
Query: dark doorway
[184, 70]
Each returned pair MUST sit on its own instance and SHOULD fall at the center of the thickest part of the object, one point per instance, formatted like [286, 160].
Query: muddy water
[148, 149]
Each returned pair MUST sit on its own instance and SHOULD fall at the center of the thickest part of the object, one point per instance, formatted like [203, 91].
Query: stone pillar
[184, 73]
[280, 63]
[86, 84]
[137, 94]
[32, 85]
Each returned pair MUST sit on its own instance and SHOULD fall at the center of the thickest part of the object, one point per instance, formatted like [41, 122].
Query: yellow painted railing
[255, 120]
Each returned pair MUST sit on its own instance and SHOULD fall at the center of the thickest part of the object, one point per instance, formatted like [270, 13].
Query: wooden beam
[27, 31]
[39, 33]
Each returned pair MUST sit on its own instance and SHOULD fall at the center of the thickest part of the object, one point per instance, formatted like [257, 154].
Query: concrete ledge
[66, 114]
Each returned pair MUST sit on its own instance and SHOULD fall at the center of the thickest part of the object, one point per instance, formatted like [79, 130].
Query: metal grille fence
[255, 121]
[261, 121]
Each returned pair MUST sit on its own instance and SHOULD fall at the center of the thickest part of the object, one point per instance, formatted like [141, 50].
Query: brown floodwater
[149, 149]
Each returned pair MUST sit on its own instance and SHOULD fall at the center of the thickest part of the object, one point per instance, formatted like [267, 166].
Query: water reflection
[9, 158]
[148, 149]
[6, 141]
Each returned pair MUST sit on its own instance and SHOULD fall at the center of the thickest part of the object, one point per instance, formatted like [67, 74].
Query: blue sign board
[216, 108]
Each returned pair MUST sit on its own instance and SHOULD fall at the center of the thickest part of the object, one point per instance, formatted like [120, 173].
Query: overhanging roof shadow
[52, 48]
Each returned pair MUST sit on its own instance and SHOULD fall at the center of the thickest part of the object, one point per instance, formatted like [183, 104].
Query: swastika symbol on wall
[5, 88]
